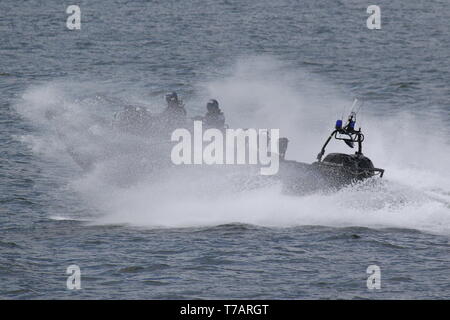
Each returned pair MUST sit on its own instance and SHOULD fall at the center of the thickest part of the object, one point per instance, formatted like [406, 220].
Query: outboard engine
[356, 166]
[335, 171]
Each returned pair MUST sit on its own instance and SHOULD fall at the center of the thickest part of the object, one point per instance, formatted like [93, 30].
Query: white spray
[259, 93]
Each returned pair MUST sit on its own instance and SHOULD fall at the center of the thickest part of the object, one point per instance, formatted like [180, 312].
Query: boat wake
[124, 184]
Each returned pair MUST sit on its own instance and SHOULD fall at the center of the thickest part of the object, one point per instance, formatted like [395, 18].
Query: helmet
[171, 97]
[212, 105]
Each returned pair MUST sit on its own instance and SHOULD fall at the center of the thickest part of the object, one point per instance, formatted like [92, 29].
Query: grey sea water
[293, 65]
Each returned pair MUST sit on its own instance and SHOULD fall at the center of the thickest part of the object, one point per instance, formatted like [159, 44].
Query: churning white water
[125, 186]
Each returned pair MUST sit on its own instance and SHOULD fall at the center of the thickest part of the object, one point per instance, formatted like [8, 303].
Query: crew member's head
[172, 99]
[212, 106]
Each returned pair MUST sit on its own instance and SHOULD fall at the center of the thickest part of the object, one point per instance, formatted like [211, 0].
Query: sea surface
[292, 65]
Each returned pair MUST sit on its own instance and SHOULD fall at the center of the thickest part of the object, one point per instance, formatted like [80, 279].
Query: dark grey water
[273, 64]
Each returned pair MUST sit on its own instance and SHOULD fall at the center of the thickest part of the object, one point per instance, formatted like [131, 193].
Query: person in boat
[214, 117]
[175, 114]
